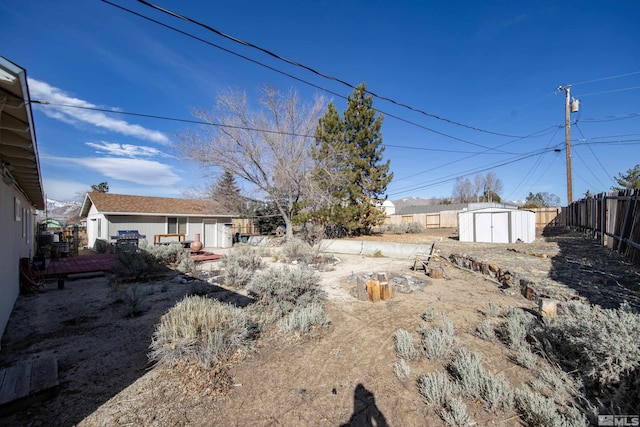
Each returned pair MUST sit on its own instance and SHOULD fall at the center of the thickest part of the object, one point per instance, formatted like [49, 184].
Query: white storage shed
[497, 225]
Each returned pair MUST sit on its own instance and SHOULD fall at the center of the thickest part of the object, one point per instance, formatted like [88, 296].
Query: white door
[482, 228]
[500, 227]
[210, 234]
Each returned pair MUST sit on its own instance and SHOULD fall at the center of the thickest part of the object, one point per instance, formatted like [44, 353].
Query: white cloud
[64, 190]
[128, 150]
[145, 172]
[45, 92]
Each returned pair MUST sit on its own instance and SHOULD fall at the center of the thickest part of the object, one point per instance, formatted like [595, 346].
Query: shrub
[454, 413]
[139, 265]
[394, 228]
[201, 330]
[282, 289]
[526, 358]
[404, 345]
[173, 254]
[436, 388]
[240, 266]
[429, 314]
[135, 299]
[438, 343]
[297, 250]
[492, 390]
[401, 369]
[492, 309]
[515, 327]
[538, 410]
[377, 254]
[485, 331]
[603, 344]
[415, 228]
[301, 319]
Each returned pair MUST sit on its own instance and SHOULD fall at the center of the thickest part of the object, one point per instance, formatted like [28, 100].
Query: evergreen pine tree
[350, 163]
[629, 180]
[226, 192]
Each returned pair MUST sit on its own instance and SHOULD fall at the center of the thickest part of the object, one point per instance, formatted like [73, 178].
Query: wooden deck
[27, 383]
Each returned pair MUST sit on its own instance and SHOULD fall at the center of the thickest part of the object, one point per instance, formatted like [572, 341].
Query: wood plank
[44, 374]
[27, 383]
[15, 384]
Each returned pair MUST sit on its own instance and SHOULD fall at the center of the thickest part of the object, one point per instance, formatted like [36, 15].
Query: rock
[548, 307]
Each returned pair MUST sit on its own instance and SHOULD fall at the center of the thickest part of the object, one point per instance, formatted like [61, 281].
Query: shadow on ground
[596, 273]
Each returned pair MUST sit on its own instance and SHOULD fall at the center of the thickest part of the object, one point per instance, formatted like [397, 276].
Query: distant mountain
[61, 210]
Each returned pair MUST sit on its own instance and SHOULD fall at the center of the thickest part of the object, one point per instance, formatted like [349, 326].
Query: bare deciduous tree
[265, 146]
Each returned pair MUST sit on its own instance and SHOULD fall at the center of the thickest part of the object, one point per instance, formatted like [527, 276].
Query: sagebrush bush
[492, 309]
[438, 342]
[493, 390]
[301, 319]
[429, 314]
[297, 250]
[454, 413]
[436, 388]
[415, 227]
[202, 330]
[134, 298]
[404, 345]
[173, 254]
[538, 410]
[603, 344]
[525, 357]
[515, 327]
[401, 369]
[240, 265]
[281, 289]
[138, 265]
[485, 331]
[394, 228]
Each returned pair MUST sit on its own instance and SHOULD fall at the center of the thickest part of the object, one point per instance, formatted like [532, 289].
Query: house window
[99, 227]
[177, 225]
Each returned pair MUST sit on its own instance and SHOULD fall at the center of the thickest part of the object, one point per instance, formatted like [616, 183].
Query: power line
[220, 125]
[312, 70]
[455, 176]
[610, 91]
[594, 155]
[290, 75]
[612, 118]
[606, 78]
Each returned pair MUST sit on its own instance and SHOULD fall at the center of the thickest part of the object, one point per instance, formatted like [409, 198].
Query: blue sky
[492, 65]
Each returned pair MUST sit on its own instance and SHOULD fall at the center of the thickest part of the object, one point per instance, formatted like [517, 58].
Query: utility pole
[567, 133]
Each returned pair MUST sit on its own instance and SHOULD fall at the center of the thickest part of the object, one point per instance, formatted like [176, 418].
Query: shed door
[492, 227]
[500, 227]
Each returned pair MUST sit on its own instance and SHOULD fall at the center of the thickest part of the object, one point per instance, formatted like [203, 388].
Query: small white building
[497, 225]
[107, 214]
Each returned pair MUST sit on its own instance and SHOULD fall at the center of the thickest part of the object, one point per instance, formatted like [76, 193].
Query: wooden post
[373, 289]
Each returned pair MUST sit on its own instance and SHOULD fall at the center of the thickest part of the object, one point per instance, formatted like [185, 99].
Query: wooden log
[436, 272]
[387, 290]
[373, 289]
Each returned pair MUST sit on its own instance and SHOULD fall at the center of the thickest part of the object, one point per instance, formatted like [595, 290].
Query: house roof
[18, 149]
[121, 204]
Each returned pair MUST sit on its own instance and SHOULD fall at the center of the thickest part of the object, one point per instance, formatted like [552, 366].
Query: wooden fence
[613, 219]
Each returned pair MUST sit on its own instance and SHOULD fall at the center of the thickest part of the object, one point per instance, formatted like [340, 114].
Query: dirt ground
[340, 375]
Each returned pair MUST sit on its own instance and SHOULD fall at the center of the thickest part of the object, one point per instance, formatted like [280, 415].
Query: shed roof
[121, 204]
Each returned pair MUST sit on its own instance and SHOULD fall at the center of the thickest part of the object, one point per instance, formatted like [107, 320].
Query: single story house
[107, 214]
[497, 225]
[21, 191]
